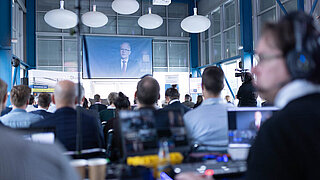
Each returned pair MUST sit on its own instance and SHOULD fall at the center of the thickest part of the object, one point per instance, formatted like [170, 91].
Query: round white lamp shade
[195, 23]
[94, 19]
[125, 6]
[150, 21]
[61, 18]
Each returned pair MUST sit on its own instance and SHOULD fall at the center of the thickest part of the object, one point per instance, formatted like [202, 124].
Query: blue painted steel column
[5, 42]
[246, 33]
[31, 35]
[300, 5]
[194, 44]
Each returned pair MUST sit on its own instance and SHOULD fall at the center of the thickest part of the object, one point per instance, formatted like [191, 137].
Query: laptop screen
[142, 130]
[245, 122]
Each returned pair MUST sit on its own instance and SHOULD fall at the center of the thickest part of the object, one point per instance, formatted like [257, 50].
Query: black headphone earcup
[300, 64]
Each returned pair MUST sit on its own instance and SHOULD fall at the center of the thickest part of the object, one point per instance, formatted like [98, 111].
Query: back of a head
[96, 98]
[65, 93]
[282, 35]
[248, 77]
[122, 102]
[20, 95]
[3, 92]
[31, 100]
[187, 97]
[213, 79]
[112, 97]
[172, 93]
[148, 91]
[44, 100]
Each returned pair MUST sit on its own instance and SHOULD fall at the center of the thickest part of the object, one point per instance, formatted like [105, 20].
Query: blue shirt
[208, 124]
[19, 118]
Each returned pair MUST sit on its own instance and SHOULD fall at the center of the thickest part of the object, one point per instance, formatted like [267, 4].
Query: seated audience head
[44, 100]
[65, 94]
[147, 92]
[19, 96]
[228, 98]
[287, 50]
[171, 94]
[187, 97]
[3, 94]
[31, 100]
[112, 97]
[97, 98]
[122, 102]
[212, 82]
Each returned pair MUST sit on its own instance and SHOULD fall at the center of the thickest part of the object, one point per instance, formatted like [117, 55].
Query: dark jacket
[6, 111]
[64, 120]
[287, 145]
[177, 105]
[98, 107]
[42, 112]
[247, 95]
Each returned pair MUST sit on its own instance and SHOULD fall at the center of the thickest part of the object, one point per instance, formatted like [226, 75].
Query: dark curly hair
[122, 102]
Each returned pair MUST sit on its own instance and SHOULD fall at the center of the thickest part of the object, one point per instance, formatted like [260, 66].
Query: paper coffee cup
[97, 168]
[80, 166]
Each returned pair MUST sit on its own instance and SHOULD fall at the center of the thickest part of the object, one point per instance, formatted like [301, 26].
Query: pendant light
[94, 18]
[61, 18]
[195, 23]
[150, 21]
[125, 6]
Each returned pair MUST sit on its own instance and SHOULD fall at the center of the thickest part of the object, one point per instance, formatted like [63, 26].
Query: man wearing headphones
[288, 74]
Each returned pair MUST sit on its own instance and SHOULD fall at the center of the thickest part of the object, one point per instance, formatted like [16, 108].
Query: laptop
[142, 130]
[245, 122]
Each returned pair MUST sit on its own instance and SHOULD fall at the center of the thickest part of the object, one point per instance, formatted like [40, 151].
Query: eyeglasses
[122, 49]
[263, 57]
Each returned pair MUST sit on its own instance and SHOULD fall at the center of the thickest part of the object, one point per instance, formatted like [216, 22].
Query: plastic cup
[97, 168]
[80, 166]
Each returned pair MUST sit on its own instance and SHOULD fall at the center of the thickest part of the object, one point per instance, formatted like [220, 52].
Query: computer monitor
[142, 130]
[39, 135]
[245, 122]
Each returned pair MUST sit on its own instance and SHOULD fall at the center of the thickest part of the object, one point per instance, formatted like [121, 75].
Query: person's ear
[53, 99]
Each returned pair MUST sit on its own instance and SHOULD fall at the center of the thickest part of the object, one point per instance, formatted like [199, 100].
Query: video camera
[241, 72]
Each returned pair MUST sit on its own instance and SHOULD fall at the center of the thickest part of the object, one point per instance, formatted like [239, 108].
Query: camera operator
[247, 94]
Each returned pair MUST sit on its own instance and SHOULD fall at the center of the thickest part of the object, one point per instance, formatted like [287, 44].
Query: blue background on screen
[105, 60]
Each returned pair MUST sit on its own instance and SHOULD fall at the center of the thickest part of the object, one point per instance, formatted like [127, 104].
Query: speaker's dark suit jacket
[42, 112]
[133, 68]
[64, 120]
[177, 106]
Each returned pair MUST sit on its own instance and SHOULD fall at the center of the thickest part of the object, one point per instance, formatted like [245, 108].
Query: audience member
[207, 125]
[111, 98]
[97, 104]
[228, 99]
[172, 98]
[85, 103]
[187, 101]
[288, 76]
[199, 101]
[30, 106]
[147, 93]
[44, 101]
[64, 120]
[20, 159]
[5, 111]
[247, 94]
[18, 116]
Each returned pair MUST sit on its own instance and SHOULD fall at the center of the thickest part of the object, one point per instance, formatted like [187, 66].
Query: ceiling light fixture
[61, 18]
[94, 18]
[150, 21]
[125, 6]
[195, 23]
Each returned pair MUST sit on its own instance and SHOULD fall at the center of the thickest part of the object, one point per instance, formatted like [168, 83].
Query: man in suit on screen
[128, 67]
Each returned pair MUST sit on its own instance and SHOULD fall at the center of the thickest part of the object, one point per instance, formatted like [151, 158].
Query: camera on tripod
[241, 72]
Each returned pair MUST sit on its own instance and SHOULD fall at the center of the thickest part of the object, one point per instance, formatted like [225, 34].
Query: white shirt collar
[175, 100]
[294, 90]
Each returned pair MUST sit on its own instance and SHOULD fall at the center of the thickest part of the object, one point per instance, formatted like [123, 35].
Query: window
[178, 55]
[229, 14]
[49, 53]
[230, 43]
[215, 27]
[216, 46]
[160, 54]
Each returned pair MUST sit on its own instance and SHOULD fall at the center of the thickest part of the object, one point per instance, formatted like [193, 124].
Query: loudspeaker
[25, 81]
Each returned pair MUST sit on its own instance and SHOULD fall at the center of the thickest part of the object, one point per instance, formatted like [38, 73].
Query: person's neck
[59, 106]
[21, 107]
[124, 59]
[44, 108]
[210, 95]
[145, 106]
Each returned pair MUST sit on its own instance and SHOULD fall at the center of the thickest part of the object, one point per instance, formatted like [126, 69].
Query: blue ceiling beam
[31, 33]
